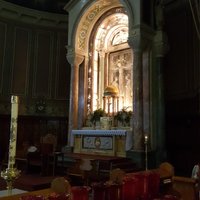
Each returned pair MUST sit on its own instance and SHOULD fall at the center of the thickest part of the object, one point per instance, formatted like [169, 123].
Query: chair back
[46, 148]
[49, 139]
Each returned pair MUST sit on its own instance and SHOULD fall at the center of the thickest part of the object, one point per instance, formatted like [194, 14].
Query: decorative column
[135, 43]
[161, 47]
[140, 40]
[101, 76]
[75, 60]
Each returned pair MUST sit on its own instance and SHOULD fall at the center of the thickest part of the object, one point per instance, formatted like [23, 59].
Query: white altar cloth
[126, 133]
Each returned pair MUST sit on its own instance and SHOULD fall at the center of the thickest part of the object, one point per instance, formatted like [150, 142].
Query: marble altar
[102, 142]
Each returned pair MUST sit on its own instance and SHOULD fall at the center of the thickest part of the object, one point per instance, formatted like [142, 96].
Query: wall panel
[62, 72]
[3, 29]
[19, 82]
[43, 64]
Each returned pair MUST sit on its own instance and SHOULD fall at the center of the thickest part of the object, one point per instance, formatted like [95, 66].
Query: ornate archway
[88, 58]
[100, 55]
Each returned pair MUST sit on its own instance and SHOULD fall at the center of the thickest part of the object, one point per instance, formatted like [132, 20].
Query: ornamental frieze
[83, 32]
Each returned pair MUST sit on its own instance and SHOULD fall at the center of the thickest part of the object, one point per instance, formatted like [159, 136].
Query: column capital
[72, 57]
[161, 44]
[102, 53]
[140, 36]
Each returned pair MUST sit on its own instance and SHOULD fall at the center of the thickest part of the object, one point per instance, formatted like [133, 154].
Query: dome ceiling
[54, 6]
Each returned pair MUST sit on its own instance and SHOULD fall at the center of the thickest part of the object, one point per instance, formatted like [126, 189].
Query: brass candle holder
[10, 175]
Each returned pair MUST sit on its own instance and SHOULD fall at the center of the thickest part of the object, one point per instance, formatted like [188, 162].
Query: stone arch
[82, 17]
[85, 15]
[87, 22]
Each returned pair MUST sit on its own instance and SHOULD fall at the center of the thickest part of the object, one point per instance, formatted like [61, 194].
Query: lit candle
[13, 131]
[145, 138]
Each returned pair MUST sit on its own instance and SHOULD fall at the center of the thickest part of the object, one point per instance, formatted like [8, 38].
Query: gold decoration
[9, 175]
[111, 91]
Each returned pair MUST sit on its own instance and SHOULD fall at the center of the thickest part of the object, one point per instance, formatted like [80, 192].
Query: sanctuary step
[125, 164]
[29, 182]
[97, 167]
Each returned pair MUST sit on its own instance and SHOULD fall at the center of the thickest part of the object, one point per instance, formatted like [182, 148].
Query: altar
[102, 142]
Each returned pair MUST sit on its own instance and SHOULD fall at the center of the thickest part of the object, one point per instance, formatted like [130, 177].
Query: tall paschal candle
[13, 131]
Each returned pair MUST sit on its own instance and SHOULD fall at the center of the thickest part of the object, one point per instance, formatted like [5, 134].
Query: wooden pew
[186, 187]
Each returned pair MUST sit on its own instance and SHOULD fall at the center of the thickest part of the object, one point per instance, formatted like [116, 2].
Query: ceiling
[54, 6]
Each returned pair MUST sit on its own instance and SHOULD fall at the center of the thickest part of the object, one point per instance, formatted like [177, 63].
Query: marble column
[140, 40]
[75, 60]
[161, 47]
[136, 44]
[101, 77]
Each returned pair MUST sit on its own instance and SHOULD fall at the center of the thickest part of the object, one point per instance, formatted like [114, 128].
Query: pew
[186, 187]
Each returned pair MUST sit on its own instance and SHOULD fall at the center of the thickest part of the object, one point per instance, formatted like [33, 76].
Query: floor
[29, 182]
[36, 181]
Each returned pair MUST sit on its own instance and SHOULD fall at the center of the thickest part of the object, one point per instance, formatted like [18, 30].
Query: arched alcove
[100, 38]
[110, 59]
[110, 44]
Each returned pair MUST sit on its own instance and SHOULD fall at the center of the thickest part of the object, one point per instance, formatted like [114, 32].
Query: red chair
[143, 185]
[98, 191]
[154, 184]
[113, 192]
[130, 188]
[148, 184]
[80, 192]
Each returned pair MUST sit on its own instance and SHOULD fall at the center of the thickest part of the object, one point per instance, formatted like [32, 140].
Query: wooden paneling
[2, 50]
[43, 64]
[21, 62]
[62, 69]
[31, 129]
[33, 65]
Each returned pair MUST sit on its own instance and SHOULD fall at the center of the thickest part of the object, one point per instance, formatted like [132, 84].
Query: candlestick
[11, 173]
[13, 131]
[146, 151]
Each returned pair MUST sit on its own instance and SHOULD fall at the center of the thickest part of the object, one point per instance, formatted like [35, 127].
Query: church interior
[100, 85]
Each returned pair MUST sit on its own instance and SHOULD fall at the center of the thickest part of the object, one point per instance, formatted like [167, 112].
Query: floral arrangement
[97, 114]
[124, 116]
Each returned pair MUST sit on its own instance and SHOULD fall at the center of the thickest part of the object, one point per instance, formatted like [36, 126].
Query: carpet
[29, 182]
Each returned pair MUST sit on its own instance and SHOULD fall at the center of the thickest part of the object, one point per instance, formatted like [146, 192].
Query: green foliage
[97, 114]
[124, 115]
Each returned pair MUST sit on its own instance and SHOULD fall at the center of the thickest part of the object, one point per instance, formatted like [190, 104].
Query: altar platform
[91, 167]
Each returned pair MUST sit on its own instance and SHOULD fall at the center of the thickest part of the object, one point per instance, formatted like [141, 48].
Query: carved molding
[73, 57]
[26, 15]
[89, 19]
[140, 36]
